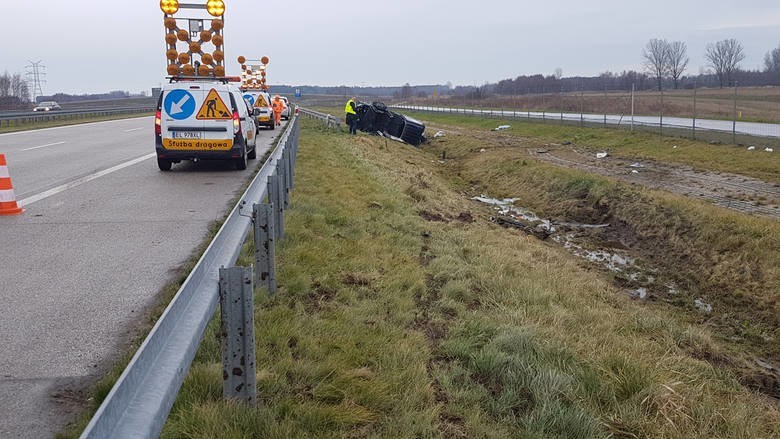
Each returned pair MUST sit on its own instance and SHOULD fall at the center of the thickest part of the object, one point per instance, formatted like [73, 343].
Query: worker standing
[352, 118]
[278, 106]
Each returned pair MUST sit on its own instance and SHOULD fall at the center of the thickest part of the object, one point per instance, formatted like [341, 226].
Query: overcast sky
[98, 45]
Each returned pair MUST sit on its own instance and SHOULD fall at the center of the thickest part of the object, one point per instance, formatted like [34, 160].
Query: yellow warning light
[188, 70]
[184, 58]
[171, 54]
[205, 36]
[217, 40]
[173, 69]
[206, 58]
[170, 23]
[264, 60]
[183, 35]
[215, 7]
[169, 7]
[262, 72]
[241, 60]
[170, 38]
[218, 55]
[219, 71]
[204, 70]
[217, 24]
[195, 47]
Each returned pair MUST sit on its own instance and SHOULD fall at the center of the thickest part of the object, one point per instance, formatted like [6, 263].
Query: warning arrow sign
[213, 108]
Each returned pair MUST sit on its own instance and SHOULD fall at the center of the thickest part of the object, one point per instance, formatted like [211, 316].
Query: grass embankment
[388, 324]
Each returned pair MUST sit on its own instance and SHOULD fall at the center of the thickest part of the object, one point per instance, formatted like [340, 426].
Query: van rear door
[180, 127]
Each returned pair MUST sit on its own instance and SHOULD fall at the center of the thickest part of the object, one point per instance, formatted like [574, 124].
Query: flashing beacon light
[215, 8]
[170, 7]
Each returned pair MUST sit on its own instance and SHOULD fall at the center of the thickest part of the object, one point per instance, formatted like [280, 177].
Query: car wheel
[164, 165]
[241, 162]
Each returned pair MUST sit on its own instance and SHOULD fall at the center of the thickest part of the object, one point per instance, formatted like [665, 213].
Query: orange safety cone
[8, 204]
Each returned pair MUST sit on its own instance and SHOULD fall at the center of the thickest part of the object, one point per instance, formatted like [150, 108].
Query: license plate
[264, 118]
[185, 135]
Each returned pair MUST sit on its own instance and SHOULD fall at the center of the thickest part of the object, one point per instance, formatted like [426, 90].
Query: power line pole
[36, 74]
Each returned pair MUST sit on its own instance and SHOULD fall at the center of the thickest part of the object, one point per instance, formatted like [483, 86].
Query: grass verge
[403, 313]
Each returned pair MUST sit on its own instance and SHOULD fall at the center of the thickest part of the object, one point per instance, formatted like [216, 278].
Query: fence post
[236, 298]
[633, 90]
[279, 202]
[265, 247]
[734, 123]
[694, 111]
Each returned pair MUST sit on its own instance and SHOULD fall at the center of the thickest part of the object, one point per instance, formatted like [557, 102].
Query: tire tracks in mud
[731, 191]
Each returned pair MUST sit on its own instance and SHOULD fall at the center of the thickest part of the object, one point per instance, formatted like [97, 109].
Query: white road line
[66, 127]
[82, 180]
[134, 129]
[43, 146]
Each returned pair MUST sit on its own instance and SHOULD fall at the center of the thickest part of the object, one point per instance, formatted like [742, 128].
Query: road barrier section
[141, 399]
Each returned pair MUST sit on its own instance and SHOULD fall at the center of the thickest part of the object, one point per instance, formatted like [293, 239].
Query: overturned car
[375, 118]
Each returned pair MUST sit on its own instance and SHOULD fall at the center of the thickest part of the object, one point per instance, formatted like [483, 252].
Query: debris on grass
[601, 155]
[438, 134]
[703, 306]
[502, 127]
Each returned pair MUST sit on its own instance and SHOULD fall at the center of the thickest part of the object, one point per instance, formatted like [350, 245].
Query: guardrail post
[286, 166]
[237, 309]
[265, 247]
[279, 224]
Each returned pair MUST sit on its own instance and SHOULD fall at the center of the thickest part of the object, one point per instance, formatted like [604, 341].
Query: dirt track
[731, 191]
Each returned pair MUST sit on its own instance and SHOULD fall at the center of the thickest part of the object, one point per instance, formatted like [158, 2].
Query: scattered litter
[502, 127]
[636, 165]
[634, 171]
[703, 306]
[567, 143]
[768, 149]
[438, 134]
[601, 155]
[751, 148]
[542, 151]
[482, 150]
[639, 293]
[674, 147]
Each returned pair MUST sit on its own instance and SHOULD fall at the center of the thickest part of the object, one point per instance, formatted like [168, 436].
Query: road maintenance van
[203, 119]
[261, 101]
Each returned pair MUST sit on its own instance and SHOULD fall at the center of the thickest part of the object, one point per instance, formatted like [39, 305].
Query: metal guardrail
[701, 125]
[141, 399]
[20, 118]
[330, 120]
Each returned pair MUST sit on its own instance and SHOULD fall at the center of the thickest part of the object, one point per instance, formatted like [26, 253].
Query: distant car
[47, 106]
[287, 112]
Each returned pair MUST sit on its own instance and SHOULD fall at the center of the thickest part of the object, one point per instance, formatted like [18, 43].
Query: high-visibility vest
[348, 109]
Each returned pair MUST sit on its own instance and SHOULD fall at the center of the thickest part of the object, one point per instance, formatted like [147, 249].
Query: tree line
[14, 91]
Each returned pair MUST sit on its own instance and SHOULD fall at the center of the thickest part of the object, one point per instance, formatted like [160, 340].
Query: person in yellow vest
[352, 117]
[278, 106]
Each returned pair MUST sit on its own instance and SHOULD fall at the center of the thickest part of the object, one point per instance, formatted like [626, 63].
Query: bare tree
[656, 59]
[5, 85]
[678, 60]
[772, 61]
[725, 56]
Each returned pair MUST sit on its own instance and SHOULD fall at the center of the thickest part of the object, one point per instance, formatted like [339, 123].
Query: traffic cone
[8, 204]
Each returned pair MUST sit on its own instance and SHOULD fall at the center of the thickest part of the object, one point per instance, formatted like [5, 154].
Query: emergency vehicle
[203, 118]
[261, 101]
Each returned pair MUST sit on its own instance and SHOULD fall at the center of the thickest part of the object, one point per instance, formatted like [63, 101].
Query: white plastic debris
[601, 155]
[438, 134]
[751, 148]
[703, 306]
[674, 147]
[634, 171]
[636, 165]
[768, 149]
[502, 127]
[482, 150]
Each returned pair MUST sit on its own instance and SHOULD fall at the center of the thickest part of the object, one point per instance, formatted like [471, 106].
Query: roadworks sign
[213, 108]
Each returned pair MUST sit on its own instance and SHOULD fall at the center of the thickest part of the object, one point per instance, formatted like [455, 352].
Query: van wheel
[164, 165]
[241, 162]
[253, 153]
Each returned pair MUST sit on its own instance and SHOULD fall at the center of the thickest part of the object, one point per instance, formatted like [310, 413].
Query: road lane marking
[44, 146]
[134, 129]
[16, 133]
[82, 180]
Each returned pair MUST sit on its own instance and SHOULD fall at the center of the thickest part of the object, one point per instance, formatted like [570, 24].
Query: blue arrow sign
[250, 98]
[179, 104]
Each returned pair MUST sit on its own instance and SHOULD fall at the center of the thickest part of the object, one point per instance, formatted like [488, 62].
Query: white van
[261, 101]
[203, 119]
